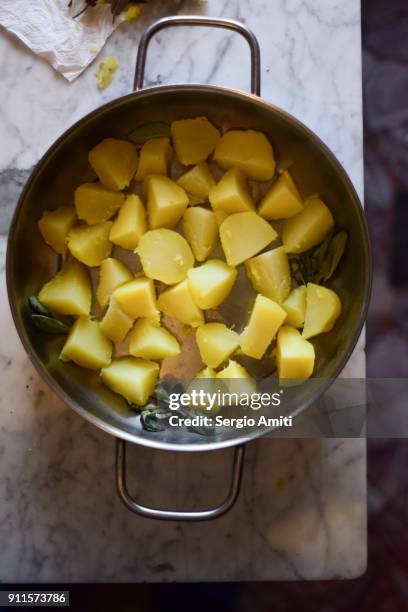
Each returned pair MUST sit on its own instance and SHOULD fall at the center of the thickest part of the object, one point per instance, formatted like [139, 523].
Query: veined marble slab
[302, 509]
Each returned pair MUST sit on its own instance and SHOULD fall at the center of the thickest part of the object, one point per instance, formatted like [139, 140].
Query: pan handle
[213, 22]
[174, 515]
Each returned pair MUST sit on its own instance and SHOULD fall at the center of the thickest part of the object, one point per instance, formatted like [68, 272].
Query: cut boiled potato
[282, 200]
[155, 157]
[134, 379]
[137, 298]
[130, 224]
[269, 274]
[194, 139]
[177, 302]
[90, 244]
[243, 235]
[295, 307]
[206, 373]
[211, 283]
[69, 292]
[295, 356]
[233, 370]
[112, 274]
[55, 225]
[307, 229]
[116, 323]
[165, 255]
[166, 202]
[231, 193]
[197, 183]
[250, 151]
[86, 345]
[323, 307]
[152, 342]
[95, 203]
[202, 391]
[200, 228]
[265, 319]
[216, 342]
[237, 380]
[115, 162]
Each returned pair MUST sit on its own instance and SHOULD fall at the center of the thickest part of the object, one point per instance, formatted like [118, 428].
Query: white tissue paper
[48, 29]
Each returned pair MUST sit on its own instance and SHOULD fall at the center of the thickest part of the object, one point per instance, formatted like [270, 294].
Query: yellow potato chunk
[243, 235]
[152, 342]
[165, 256]
[197, 183]
[211, 283]
[323, 307]
[155, 158]
[265, 320]
[295, 356]
[130, 224]
[177, 302]
[137, 298]
[132, 378]
[115, 324]
[112, 274]
[308, 228]
[203, 383]
[95, 203]
[194, 139]
[90, 244]
[295, 307]
[86, 345]
[115, 162]
[55, 225]
[231, 193]
[166, 202]
[200, 227]
[236, 379]
[282, 200]
[69, 292]
[269, 274]
[206, 373]
[216, 342]
[250, 151]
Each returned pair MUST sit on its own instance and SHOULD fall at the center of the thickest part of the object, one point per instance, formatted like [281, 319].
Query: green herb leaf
[155, 419]
[156, 129]
[37, 307]
[50, 325]
[318, 264]
[334, 254]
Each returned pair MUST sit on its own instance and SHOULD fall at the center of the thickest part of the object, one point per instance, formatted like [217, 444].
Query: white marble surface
[302, 511]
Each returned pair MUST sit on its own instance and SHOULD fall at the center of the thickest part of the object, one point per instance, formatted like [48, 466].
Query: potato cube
[90, 244]
[216, 342]
[178, 303]
[269, 274]
[115, 162]
[165, 256]
[200, 227]
[243, 235]
[295, 307]
[282, 200]
[130, 224]
[86, 345]
[132, 378]
[211, 283]
[55, 225]
[112, 274]
[323, 307]
[69, 292]
[237, 380]
[308, 228]
[166, 202]
[206, 373]
[265, 320]
[250, 151]
[152, 342]
[197, 183]
[137, 298]
[155, 158]
[231, 193]
[295, 356]
[194, 139]
[95, 203]
[115, 324]
[203, 383]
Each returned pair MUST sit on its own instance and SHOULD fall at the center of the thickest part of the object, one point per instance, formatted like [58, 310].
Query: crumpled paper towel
[48, 29]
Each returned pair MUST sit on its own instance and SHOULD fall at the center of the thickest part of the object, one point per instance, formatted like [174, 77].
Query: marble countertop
[302, 509]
